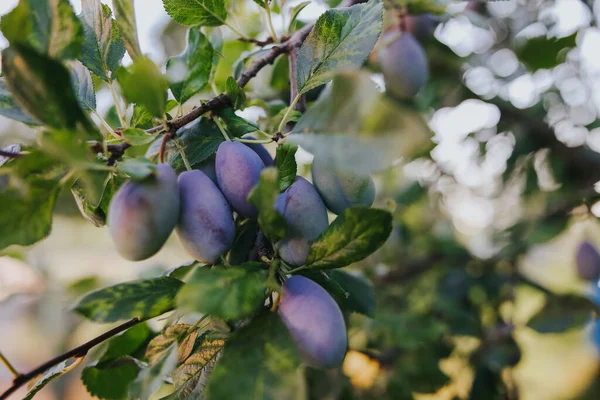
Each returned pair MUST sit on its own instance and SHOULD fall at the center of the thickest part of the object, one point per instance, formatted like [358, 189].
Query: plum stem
[181, 151]
[291, 108]
[9, 366]
[222, 129]
[270, 22]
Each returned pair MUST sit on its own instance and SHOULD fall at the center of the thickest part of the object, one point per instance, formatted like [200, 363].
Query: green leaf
[82, 82]
[239, 64]
[137, 168]
[295, 11]
[341, 39]
[243, 243]
[197, 12]
[125, 15]
[181, 272]
[236, 94]
[229, 293]
[190, 378]
[50, 27]
[236, 126]
[544, 53]
[143, 119]
[353, 236]
[286, 165]
[95, 210]
[27, 204]
[103, 48]
[189, 73]
[260, 3]
[143, 83]
[137, 136]
[267, 347]
[127, 343]
[143, 299]
[263, 196]
[9, 108]
[150, 379]
[51, 374]
[111, 379]
[361, 295]
[562, 313]
[201, 140]
[43, 88]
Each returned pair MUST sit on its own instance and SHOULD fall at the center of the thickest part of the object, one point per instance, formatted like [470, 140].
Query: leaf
[236, 125]
[111, 379]
[353, 236]
[361, 295]
[143, 299]
[341, 39]
[190, 378]
[201, 140]
[137, 136]
[103, 48]
[239, 64]
[263, 196]
[150, 379]
[182, 271]
[197, 12]
[50, 27]
[295, 11]
[261, 3]
[43, 88]
[562, 313]
[544, 53]
[236, 94]
[266, 345]
[181, 335]
[143, 119]
[228, 293]
[243, 243]
[83, 84]
[9, 108]
[286, 165]
[137, 168]
[127, 343]
[51, 374]
[125, 15]
[143, 83]
[189, 73]
[26, 214]
[94, 210]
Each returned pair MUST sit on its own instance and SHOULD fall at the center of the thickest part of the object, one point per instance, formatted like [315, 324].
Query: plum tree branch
[79, 351]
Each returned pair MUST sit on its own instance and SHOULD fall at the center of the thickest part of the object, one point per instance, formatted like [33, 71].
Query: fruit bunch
[200, 206]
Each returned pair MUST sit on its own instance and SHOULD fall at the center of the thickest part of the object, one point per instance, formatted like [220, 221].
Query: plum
[238, 171]
[306, 216]
[142, 215]
[404, 66]
[588, 262]
[208, 167]
[205, 228]
[341, 189]
[421, 26]
[314, 321]
[259, 149]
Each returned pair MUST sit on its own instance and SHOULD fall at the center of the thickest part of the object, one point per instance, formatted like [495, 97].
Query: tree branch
[79, 351]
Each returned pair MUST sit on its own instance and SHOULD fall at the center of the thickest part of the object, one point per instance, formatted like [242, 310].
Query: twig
[8, 365]
[79, 351]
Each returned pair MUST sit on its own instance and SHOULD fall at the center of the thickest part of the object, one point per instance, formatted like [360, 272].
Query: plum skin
[238, 171]
[142, 215]
[306, 216]
[404, 66]
[421, 26]
[588, 262]
[259, 149]
[205, 229]
[314, 321]
[341, 189]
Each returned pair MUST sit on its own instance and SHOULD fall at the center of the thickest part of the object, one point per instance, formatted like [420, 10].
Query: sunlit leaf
[264, 196]
[143, 83]
[125, 15]
[197, 12]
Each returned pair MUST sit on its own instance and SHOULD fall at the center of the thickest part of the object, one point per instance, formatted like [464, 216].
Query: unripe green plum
[259, 149]
[588, 262]
[341, 189]
[205, 228]
[314, 321]
[404, 66]
[142, 215]
[238, 171]
[306, 216]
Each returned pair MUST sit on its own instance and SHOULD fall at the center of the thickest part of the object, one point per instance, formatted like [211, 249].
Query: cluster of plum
[199, 205]
[401, 56]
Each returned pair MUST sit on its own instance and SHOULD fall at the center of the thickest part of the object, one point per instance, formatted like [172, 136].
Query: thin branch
[79, 351]
[8, 365]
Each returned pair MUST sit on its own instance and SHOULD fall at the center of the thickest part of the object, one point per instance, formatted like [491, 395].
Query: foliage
[442, 274]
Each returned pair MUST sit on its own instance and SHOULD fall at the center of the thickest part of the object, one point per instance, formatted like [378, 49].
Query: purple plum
[259, 149]
[314, 321]
[142, 215]
[588, 262]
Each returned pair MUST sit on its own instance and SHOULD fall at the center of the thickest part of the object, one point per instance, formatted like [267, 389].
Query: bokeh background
[502, 187]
